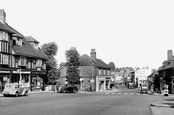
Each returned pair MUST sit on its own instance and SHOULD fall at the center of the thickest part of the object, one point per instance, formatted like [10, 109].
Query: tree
[72, 66]
[112, 65]
[52, 74]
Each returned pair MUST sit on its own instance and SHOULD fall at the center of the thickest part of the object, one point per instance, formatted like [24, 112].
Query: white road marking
[132, 93]
[125, 93]
[106, 93]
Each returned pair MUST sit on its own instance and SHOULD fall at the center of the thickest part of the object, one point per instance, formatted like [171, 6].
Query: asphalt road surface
[122, 102]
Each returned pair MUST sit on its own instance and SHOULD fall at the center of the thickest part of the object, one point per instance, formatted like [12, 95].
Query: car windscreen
[8, 86]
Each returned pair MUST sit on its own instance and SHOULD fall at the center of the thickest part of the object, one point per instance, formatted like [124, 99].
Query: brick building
[92, 70]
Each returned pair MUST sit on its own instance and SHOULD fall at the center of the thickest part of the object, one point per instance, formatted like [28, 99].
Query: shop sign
[23, 72]
[92, 80]
[38, 72]
[4, 71]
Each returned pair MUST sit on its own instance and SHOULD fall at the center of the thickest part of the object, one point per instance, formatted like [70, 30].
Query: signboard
[38, 72]
[23, 72]
[92, 81]
[4, 71]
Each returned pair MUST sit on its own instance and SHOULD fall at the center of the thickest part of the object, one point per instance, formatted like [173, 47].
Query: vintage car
[68, 88]
[14, 89]
[131, 86]
[144, 88]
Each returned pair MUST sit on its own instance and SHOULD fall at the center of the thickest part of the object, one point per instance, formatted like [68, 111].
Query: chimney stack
[93, 54]
[169, 55]
[2, 16]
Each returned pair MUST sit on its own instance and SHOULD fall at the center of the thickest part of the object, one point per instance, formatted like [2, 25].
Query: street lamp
[81, 83]
[20, 77]
[92, 80]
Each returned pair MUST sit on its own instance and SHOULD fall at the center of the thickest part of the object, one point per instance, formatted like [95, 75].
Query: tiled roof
[16, 33]
[171, 65]
[31, 39]
[5, 28]
[27, 50]
[86, 60]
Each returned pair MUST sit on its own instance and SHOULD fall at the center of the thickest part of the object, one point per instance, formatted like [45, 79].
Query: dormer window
[18, 41]
[36, 46]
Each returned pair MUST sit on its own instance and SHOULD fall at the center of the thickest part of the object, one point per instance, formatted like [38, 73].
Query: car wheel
[64, 91]
[16, 94]
[26, 93]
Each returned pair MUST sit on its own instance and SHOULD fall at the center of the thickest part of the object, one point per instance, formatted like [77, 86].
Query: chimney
[169, 55]
[73, 48]
[2, 16]
[93, 54]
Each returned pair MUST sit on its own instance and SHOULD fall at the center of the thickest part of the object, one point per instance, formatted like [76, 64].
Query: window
[4, 46]
[33, 63]
[44, 64]
[65, 70]
[108, 72]
[28, 63]
[4, 59]
[4, 36]
[80, 71]
[104, 72]
[39, 63]
[99, 72]
[23, 61]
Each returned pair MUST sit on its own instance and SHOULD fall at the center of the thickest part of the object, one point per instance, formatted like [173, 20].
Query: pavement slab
[163, 107]
[162, 110]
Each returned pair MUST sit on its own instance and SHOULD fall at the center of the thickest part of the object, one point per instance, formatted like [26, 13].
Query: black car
[68, 88]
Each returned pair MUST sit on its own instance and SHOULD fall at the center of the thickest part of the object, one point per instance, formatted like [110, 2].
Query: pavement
[163, 107]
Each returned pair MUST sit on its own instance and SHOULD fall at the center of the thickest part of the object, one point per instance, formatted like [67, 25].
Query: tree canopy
[52, 74]
[72, 66]
[112, 65]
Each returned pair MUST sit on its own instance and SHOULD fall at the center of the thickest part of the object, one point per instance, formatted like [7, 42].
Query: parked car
[68, 88]
[144, 88]
[14, 89]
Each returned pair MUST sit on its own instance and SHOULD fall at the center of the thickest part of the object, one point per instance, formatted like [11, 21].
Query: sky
[129, 33]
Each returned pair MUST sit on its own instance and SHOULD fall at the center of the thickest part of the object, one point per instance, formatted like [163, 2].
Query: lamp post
[20, 77]
[81, 83]
[92, 80]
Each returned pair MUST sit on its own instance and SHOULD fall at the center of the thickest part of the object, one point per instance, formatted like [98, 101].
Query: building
[166, 72]
[19, 59]
[141, 75]
[92, 70]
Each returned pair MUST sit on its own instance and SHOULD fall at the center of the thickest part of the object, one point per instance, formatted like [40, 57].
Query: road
[123, 102]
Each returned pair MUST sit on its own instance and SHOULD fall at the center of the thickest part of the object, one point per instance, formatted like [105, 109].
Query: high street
[121, 102]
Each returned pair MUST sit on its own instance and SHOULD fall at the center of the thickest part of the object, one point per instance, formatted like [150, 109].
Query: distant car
[14, 89]
[68, 88]
[131, 86]
[144, 88]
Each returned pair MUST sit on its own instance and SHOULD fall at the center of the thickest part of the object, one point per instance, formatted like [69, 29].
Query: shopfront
[4, 78]
[37, 81]
[24, 79]
[103, 83]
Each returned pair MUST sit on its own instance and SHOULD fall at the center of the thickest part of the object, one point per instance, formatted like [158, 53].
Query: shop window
[25, 78]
